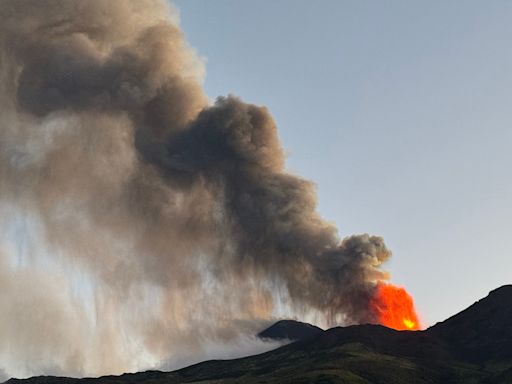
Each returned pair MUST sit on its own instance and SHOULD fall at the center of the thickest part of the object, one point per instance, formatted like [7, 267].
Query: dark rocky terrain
[290, 330]
[472, 347]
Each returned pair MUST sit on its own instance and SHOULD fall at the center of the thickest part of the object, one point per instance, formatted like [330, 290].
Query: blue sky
[400, 111]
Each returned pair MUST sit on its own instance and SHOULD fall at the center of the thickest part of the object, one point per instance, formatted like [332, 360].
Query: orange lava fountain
[394, 307]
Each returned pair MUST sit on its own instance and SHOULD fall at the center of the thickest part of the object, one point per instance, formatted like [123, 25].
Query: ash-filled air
[140, 221]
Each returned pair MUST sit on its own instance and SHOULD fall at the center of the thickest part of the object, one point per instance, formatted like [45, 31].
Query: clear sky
[400, 111]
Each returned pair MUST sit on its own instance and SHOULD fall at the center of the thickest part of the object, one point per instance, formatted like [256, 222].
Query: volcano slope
[474, 346]
[290, 330]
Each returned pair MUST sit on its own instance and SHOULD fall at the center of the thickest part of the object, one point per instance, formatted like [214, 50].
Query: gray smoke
[141, 221]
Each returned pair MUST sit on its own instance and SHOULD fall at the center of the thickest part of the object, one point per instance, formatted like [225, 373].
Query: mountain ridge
[289, 330]
[473, 346]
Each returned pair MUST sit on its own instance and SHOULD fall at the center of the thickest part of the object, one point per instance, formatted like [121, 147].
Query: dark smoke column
[271, 215]
[119, 61]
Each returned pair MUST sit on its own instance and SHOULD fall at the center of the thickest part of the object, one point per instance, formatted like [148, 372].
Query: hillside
[472, 347]
[290, 330]
[482, 333]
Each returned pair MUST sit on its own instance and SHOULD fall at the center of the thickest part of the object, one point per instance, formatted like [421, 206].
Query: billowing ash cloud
[141, 222]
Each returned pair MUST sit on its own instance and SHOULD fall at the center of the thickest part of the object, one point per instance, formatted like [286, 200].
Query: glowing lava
[394, 307]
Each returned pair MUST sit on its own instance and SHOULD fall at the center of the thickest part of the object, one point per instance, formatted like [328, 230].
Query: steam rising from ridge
[139, 218]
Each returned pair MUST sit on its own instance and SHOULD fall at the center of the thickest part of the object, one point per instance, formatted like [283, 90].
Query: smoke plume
[140, 220]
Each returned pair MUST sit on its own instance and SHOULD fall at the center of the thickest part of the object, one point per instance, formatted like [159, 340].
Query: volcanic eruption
[141, 218]
[394, 307]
